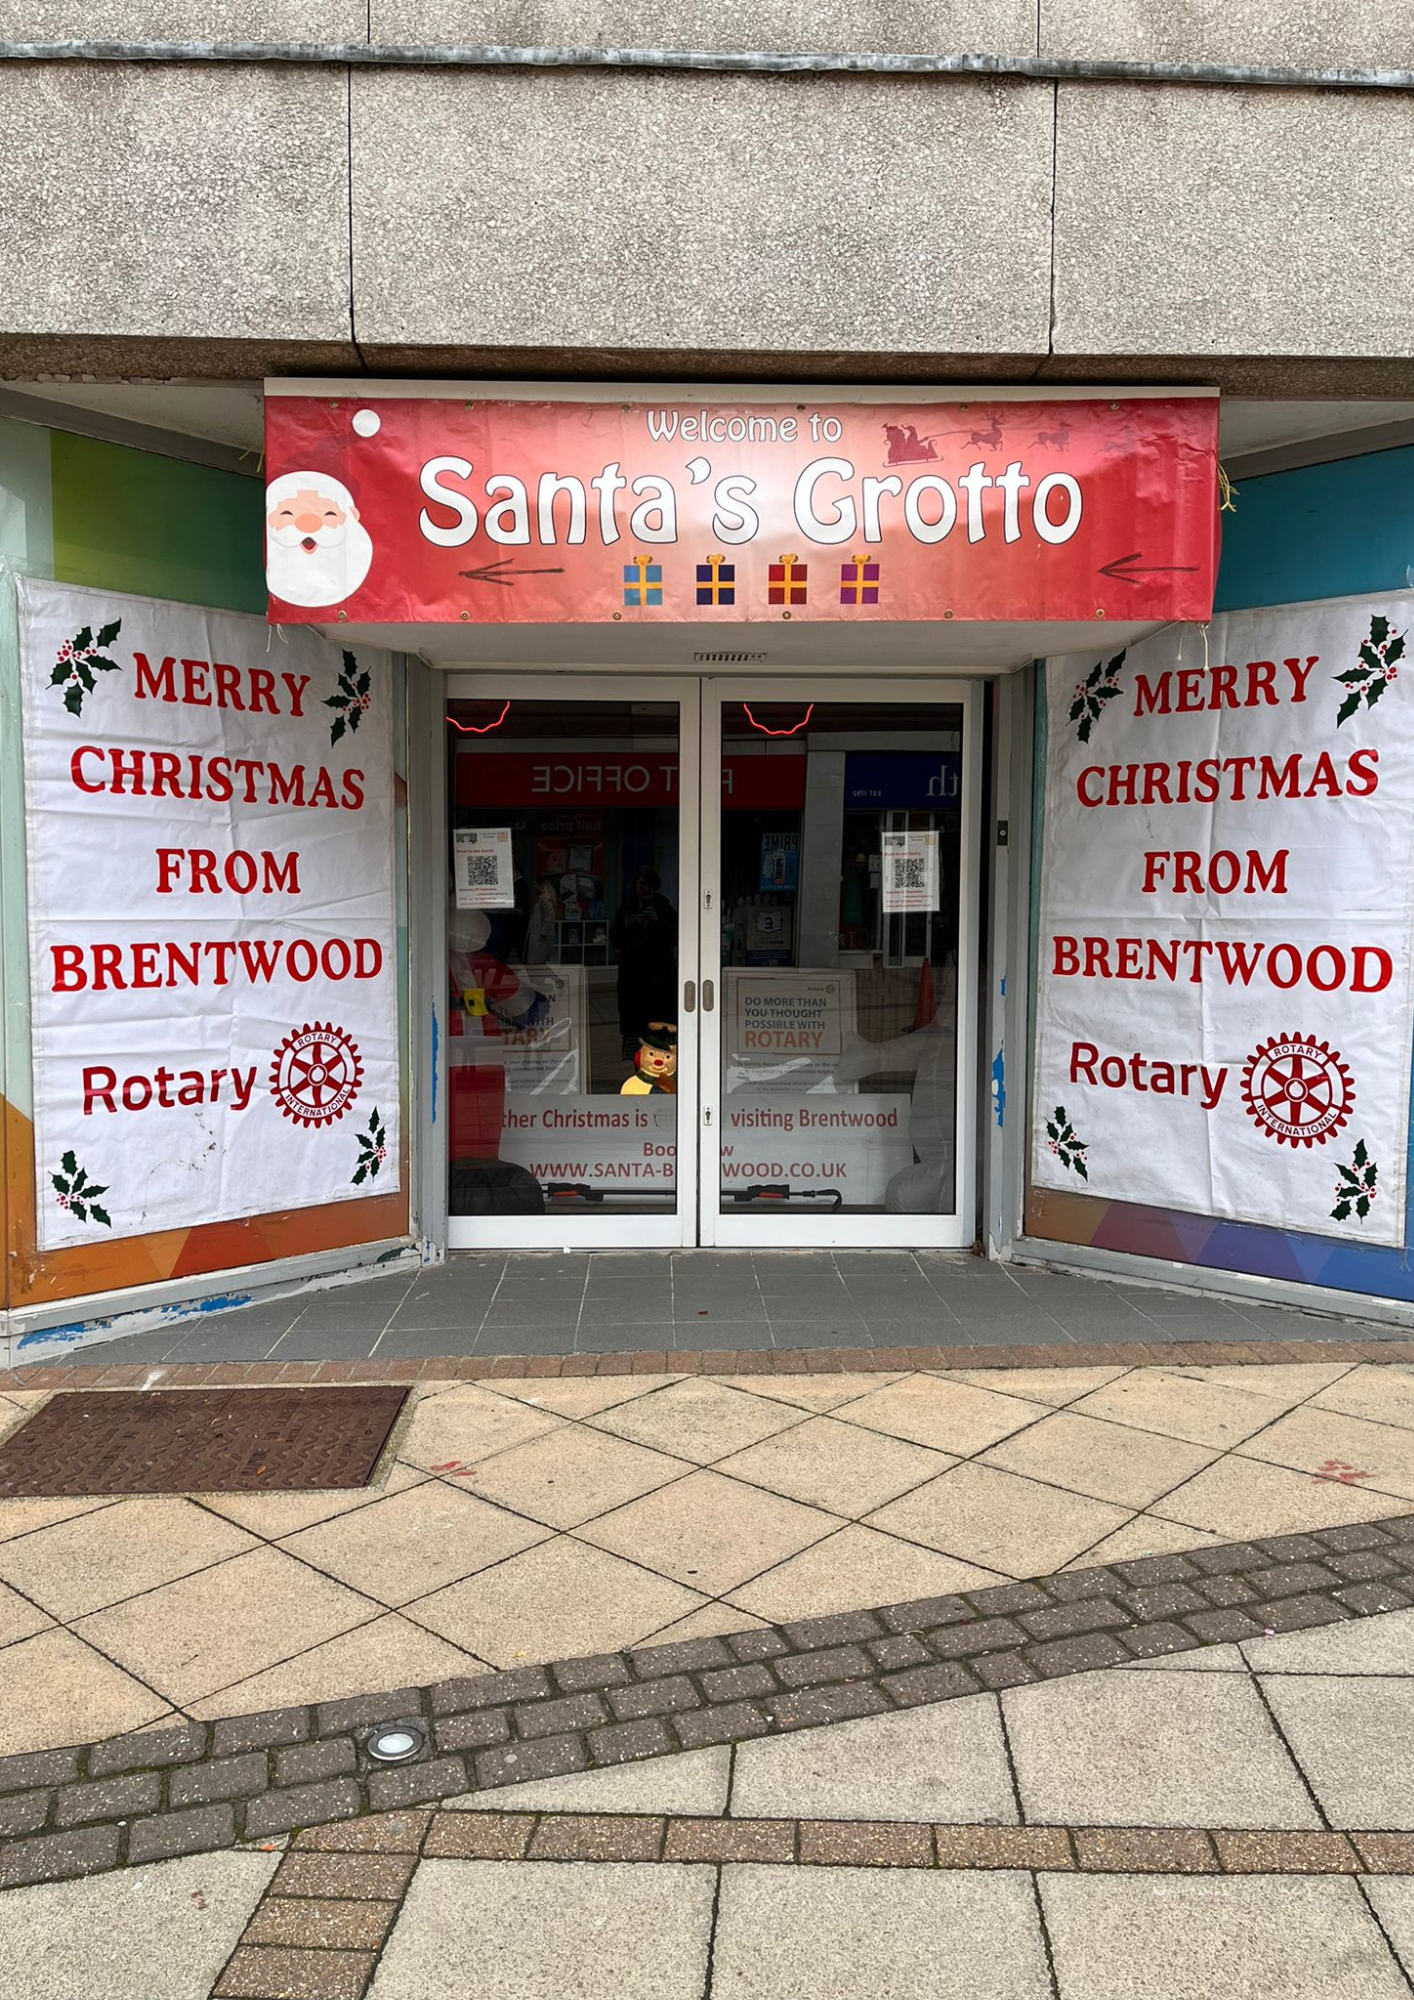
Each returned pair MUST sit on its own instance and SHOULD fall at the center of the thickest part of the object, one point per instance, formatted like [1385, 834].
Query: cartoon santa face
[317, 551]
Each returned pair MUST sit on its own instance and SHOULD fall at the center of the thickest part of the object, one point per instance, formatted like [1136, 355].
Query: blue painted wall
[1325, 531]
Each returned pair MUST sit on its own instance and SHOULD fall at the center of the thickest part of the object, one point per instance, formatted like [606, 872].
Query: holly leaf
[102, 1215]
[1092, 679]
[360, 1176]
[95, 1187]
[1360, 1155]
[77, 1208]
[1379, 631]
[1370, 657]
[83, 638]
[1353, 677]
[80, 1182]
[60, 673]
[1080, 1169]
[355, 717]
[1084, 730]
[108, 633]
[1395, 649]
[61, 1186]
[73, 701]
[1117, 662]
[70, 1163]
[1077, 707]
[1347, 708]
[105, 666]
[363, 683]
[1374, 691]
[337, 731]
[350, 661]
[337, 700]
[1362, 1206]
[86, 679]
[1341, 1211]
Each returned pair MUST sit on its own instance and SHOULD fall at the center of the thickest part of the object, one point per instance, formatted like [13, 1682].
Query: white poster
[209, 827]
[482, 868]
[1224, 980]
[786, 1030]
[910, 873]
[538, 1038]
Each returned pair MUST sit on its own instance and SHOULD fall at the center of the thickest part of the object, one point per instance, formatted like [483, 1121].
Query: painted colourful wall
[1322, 531]
[87, 512]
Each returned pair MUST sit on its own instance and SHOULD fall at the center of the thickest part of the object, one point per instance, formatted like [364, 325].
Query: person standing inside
[645, 935]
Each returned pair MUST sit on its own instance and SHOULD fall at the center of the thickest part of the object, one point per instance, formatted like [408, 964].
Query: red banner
[434, 508]
[531, 778]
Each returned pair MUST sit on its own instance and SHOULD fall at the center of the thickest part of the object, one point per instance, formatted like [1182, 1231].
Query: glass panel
[562, 932]
[841, 848]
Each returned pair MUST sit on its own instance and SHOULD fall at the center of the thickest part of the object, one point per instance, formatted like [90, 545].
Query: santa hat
[324, 483]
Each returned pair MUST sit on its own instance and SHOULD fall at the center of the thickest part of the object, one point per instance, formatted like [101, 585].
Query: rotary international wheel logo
[316, 1074]
[1297, 1090]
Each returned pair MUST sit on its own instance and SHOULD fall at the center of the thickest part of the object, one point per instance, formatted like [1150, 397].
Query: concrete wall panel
[183, 21]
[653, 214]
[1298, 34]
[180, 203]
[1005, 27]
[1210, 222]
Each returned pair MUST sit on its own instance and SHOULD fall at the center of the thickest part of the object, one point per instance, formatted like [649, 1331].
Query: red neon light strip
[779, 732]
[470, 729]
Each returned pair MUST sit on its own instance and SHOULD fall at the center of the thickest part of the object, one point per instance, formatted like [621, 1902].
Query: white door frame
[763, 1228]
[609, 1229]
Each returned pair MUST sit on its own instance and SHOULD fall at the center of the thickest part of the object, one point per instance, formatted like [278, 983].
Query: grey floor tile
[226, 1344]
[525, 1340]
[407, 1343]
[1099, 1750]
[1353, 1736]
[875, 1934]
[1151, 1937]
[1003, 1333]
[625, 1311]
[636, 1337]
[130, 1349]
[326, 1343]
[532, 1930]
[946, 1762]
[807, 1333]
[1393, 1900]
[701, 1336]
[434, 1319]
[519, 1315]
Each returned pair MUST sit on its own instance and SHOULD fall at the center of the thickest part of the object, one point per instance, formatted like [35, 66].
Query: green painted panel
[159, 527]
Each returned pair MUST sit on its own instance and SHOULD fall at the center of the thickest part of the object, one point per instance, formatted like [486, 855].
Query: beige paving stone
[1178, 1406]
[12, 1415]
[1288, 1382]
[1353, 1736]
[1000, 1521]
[156, 1933]
[696, 1781]
[1198, 1660]
[271, 1515]
[878, 1934]
[1377, 1457]
[573, 1475]
[1053, 1386]
[699, 1419]
[538, 1930]
[710, 1621]
[708, 1532]
[1100, 1750]
[58, 1690]
[22, 1517]
[950, 1416]
[1239, 1497]
[854, 1570]
[946, 1762]
[558, 1599]
[843, 1467]
[93, 1560]
[388, 1652]
[811, 1392]
[1384, 1394]
[582, 1395]
[466, 1425]
[1105, 1461]
[1176, 1937]
[1383, 1644]
[415, 1542]
[1393, 1900]
[1146, 1535]
[224, 1624]
[19, 1619]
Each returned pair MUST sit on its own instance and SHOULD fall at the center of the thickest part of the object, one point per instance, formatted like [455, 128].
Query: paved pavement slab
[160, 1933]
[1354, 1736]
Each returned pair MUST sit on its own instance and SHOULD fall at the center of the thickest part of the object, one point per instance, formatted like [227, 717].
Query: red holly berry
[382, 1154]
[63, 1201]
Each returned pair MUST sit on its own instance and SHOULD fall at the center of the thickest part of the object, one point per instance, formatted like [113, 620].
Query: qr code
[481, 869]
[910, 872]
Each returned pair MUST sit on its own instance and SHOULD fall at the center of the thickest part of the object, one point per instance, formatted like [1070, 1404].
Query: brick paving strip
[744, 1361]
[333, 1900]
[193, 1786]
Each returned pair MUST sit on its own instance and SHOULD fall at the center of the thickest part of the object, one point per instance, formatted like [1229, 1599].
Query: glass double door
[710, 962]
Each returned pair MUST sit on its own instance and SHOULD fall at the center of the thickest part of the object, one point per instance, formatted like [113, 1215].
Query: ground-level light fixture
[396, 1743]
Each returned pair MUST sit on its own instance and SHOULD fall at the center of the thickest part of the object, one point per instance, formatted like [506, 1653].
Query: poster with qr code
[481, 863]
[910, 873]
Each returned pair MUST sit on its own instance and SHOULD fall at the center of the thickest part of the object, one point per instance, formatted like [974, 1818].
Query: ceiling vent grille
[728, 659]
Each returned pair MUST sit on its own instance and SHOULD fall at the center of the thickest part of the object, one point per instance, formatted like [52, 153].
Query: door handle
[709, 996]
[689, 997]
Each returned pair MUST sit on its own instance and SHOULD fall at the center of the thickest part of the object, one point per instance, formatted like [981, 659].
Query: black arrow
[489, 575]
[1120, 569]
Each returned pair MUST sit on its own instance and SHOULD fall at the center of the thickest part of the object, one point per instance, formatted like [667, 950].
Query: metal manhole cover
[198, 1441]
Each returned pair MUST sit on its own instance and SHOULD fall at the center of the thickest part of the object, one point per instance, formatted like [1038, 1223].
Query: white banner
[209, 826]
[1224, 979]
